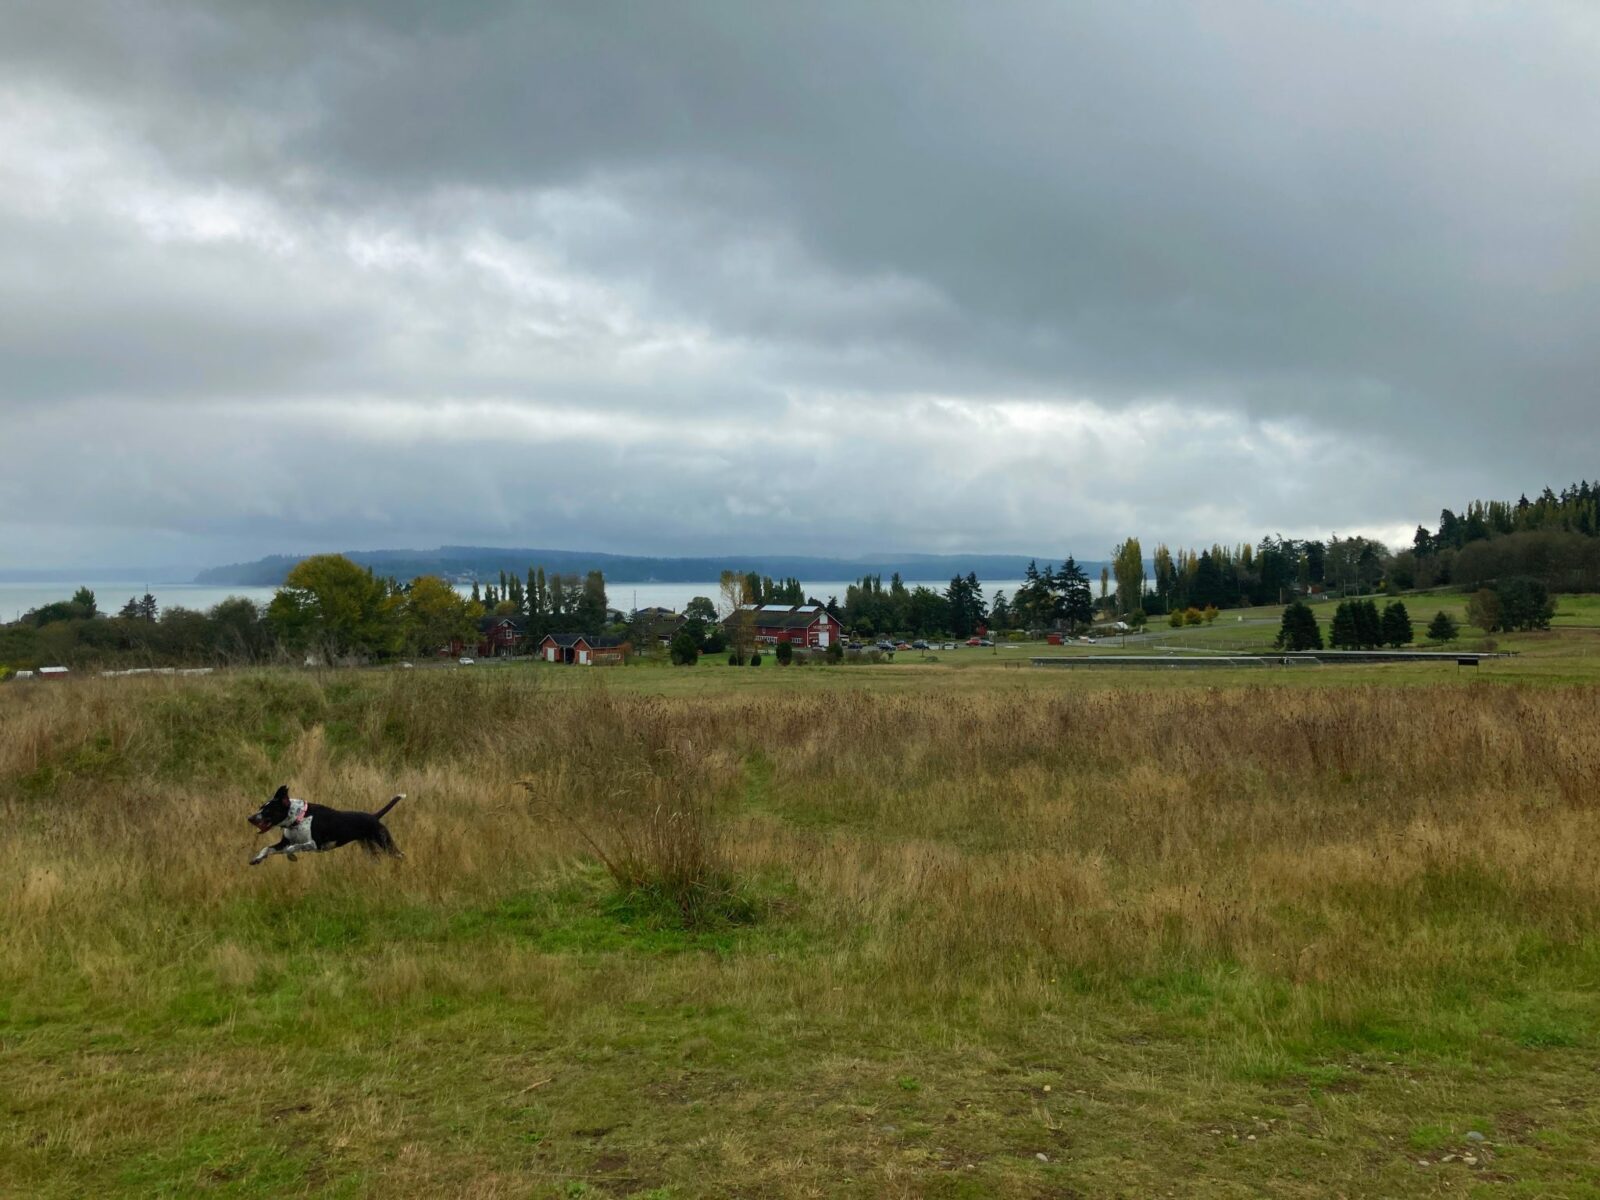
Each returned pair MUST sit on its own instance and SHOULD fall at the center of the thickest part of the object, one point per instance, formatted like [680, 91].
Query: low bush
[658, 838]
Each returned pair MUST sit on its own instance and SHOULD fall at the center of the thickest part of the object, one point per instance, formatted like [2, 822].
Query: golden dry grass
[1363, 909]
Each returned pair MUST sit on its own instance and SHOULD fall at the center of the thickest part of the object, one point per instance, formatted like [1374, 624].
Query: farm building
[660, 623]
[499, 636]
[496, 636]
[801, 624]
[578, 649]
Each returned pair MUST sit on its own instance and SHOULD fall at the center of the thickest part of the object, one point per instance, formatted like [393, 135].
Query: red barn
[802, 624]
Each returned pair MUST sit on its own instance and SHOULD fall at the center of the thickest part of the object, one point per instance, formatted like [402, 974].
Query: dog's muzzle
[261, 823]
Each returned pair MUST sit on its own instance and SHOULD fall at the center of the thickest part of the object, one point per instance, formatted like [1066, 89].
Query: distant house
[581, 650]
[53, 672]
[660, 623]
[499, 636]
[801, 624]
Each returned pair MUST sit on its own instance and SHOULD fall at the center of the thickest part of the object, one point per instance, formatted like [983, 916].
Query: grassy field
[969, 930]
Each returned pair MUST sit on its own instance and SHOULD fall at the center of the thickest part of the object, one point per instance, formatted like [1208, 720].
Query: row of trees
[1554, 538]
[871, 609]
[328, 607]
[1575, 509]
[1516, 603]
[76, 632]
[1049, 599]
[1358, 625]
[553, 603]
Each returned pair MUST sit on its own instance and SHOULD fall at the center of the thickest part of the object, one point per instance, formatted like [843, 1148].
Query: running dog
[312, 828]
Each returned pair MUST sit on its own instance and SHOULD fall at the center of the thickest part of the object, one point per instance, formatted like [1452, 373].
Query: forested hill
[486, 562]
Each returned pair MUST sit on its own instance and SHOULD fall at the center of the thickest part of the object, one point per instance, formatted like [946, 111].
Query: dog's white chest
[297, 829]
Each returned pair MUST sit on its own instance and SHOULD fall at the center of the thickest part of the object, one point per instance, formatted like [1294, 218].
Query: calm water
[18, 598]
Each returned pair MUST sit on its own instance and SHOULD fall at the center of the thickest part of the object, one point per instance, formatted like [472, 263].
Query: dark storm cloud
[1023, 275]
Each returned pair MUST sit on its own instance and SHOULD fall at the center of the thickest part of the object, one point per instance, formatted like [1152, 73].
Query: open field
[996, 932]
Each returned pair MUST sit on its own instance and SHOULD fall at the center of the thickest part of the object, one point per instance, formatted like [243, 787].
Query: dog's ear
[282, 793]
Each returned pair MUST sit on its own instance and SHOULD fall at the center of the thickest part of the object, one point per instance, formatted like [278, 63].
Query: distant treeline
[76, 633]
[1554, 539]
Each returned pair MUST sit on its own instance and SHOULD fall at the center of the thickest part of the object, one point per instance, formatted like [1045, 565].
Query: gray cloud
[675, 278]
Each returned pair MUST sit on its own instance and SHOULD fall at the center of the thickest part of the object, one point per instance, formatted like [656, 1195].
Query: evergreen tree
[1369, 624]
[685, 652]
[1396, 625]
[1343, 635]
[1525, 604]
[1299, 630]
[591, 603]
[148, 609]
[557, 603]
[1000, 612]
[785, 654]
[130, 610]
[1443, 628]
[1076, 606]
[1032, 598]
[1208, 587]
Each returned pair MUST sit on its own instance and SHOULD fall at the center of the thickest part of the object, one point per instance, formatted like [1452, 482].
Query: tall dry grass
[1367, 841]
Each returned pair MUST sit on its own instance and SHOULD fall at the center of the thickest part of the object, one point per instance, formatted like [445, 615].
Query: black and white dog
[310, 828]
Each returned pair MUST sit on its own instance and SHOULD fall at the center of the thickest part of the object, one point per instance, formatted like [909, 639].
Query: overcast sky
[688, 278]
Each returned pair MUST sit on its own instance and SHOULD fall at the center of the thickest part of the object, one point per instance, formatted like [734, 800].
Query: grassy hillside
[966, 932]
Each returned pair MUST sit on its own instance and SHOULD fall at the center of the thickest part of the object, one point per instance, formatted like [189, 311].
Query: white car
[465, 661]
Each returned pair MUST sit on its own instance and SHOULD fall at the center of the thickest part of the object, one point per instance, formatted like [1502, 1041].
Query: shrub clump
[662, 846]
[685, 652]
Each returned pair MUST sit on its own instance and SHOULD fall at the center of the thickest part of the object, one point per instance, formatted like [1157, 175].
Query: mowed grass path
[1020, 934]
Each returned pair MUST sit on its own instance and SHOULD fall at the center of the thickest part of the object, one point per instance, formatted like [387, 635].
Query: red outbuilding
[577, 649]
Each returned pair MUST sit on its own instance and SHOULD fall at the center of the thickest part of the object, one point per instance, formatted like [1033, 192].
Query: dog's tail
[393, 801]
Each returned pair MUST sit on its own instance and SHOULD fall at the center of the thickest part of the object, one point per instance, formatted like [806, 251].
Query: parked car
[886, 645]
[985, 641]
[854, 646]
[465, 661]
[949, 646]
[974, 641]
[919, 644]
